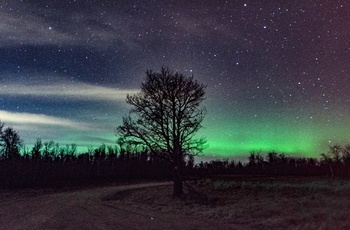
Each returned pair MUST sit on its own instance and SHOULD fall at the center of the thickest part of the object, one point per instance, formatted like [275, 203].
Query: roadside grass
[316, 185]
[265, 203]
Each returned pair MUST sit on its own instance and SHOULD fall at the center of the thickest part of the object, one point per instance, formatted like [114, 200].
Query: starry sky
[277, 72]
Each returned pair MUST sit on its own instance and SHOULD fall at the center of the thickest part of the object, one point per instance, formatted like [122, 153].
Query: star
[276, 73]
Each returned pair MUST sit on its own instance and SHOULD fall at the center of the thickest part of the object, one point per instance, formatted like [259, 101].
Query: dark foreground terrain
[220, 203]
[91, 209]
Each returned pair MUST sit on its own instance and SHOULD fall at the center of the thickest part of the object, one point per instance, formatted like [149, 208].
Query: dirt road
[87, 209]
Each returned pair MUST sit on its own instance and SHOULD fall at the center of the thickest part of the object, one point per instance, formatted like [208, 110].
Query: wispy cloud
[88, 27]
[61, 28]
[39, 119]
[72, 90]
[29, 29]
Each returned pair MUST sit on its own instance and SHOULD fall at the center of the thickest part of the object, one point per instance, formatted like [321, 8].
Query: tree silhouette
[335, 152]
[36, 151]
[49, 150]
[251, 159]
[11, 143]
[165, 117]
[333, 158]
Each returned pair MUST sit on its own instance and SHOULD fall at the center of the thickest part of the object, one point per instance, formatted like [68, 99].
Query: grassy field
[255, 202]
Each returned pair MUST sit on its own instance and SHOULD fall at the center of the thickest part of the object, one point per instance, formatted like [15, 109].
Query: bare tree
[335, 151]
[325, 158]
[165, 117]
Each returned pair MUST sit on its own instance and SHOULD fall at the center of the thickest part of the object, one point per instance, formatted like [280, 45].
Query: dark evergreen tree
[36, 151]
[11, 143]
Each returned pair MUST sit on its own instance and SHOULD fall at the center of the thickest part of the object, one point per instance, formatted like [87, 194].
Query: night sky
[277, 72]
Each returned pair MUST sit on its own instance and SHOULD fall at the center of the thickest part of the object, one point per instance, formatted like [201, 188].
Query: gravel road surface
[88, 209]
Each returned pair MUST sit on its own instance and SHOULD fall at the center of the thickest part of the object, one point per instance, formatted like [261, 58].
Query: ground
[220, 203]
[90, 209]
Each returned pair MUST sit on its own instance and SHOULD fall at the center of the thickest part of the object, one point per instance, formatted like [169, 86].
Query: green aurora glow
[277, 71]
[306, 136]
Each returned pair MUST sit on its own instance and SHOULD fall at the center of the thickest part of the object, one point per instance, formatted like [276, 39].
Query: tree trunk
[178, 185]
[331, 169]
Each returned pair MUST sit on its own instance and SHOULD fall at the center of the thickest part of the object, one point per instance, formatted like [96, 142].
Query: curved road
[87, 209]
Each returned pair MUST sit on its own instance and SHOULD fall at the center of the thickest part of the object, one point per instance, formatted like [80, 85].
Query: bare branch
[166, 115]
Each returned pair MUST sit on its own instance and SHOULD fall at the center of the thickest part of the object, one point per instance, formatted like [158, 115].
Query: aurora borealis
[277, 72]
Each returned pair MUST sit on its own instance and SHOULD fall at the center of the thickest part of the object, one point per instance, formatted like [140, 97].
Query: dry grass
[259, 203]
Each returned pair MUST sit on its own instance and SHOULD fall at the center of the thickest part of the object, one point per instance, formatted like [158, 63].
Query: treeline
[336, 162]
[48, 164]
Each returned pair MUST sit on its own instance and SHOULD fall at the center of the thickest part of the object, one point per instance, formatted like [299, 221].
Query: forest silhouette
[48, 164]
